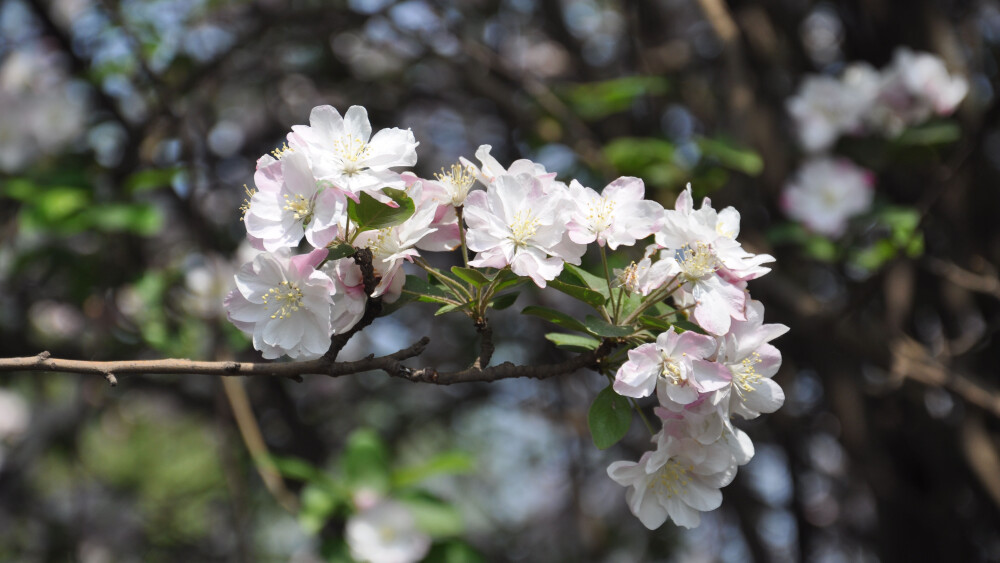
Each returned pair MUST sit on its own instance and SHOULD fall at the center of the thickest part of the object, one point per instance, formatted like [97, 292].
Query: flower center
[672, 479]
[628, 278]
[458, 180]
[599, 214]
[697, 260]
[382, 245]
[523, 227]
[351, 150]
[671, 370]
[745, 376]
[301, 208]
[286, 296]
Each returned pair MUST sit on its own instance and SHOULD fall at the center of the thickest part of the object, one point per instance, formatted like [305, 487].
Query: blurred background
[129, 128]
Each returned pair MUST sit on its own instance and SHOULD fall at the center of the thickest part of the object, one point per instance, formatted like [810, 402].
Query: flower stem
[461, 235]
[607, 277]
[642, 415]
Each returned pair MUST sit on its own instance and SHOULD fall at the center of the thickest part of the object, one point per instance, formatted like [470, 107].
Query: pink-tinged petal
[241, 312]
[681, 394]
[297, 176]
[325, 123]
[685, 201]
[710, 376]
[696, 345]
[770, 360]
[650, 512]
[303, 264]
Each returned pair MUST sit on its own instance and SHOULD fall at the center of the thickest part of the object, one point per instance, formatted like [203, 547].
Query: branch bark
[390, 364]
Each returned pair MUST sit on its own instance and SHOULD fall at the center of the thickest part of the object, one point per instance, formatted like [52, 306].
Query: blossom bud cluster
[825, 192]
[294, 296]
[700, 380]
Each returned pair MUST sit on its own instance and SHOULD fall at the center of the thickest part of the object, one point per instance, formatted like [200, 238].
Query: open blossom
[752, 361]
[386, 533]
[675, 362]
[344, 151]
[679, 480]
[491, 168]
[618, 216]
[516, 223]
[290, 203]
[349, 294]
[826, 192]
[824, 108]
[391, 246]
[915, 87]
[708, 261]
[446, 233]
[284, 303]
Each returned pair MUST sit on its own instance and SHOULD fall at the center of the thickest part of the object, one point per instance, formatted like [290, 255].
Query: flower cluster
[315, 198]
[825, 192]
[700, 380]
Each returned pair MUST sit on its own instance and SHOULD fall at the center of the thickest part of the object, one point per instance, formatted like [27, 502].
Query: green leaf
[365, 461]
[139, 218]
[150, 179]
[683, 324]
[938, 133]
[574, 342]
[295, 468]
[630, 303]
[317, 507]
[448, 463]
[609, 418]
[475, 277]
[593, 298]
[555, 317]
[654, 323]
[434, 517]
[596, 283]
[600, 327]
[371, 214]
[596, 100]
[453, 552]
[452, 307]
[426, 292]
[503, 301]
[731, 156]
[340, 249]
[820, 248]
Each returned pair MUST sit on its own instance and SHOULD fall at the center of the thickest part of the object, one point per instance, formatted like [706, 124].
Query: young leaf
[593, 298]
[451, 307]
[475, 277]
[340, 249]
[609, 418]
[596, 283]
[506, 300]
[555, 317]
[599, 327]
[370, 214]
[574, 342]
[426, 292]
[365, 461]
[448, 463]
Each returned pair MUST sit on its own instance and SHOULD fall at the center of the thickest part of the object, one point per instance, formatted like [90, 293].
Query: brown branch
[321, 366]
[912, 360]
[390, 364]
[508, 370]
[373, 305]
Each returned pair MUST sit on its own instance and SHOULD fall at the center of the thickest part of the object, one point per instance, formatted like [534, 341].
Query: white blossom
[385, 533]
[825, 192]
[284, 303]
[618, 216]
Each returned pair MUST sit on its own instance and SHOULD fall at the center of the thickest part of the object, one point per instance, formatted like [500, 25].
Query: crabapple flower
[679, 480]
[491, 168]
[752, 363]
[825, 108]
[344, 151]
[391, 246]
[516, 223]
[446, 234]
[618, 216]
[284, 303]
[826, 192]
[290, 203]
[349, 294]
[676, 363]
[707, 260]
[386, 533]
[914, 87]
